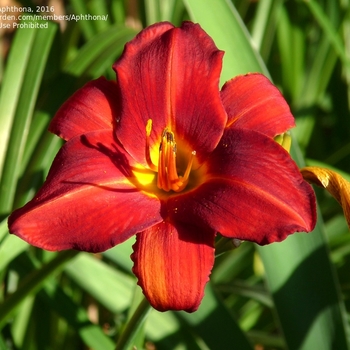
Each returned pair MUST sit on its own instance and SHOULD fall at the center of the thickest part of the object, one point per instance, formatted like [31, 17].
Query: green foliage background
[289, 295]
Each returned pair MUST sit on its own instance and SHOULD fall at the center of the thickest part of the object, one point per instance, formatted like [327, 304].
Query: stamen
[189, 166]
[172, 172]
[182, 181]
[162, 179]
[148, 152]
[168, 178]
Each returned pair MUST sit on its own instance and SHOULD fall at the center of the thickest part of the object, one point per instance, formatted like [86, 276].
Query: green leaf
[134, 326]
[110, 287]
[292, 49]
[221, 21]
[87, 27]
[330, 31]
[76, 316]
[103, 47]
[10, 247]
[32, 283]
[264, 25]
[326, 54]
[161, 325]
[41, 41]
[305, 292]
[11, 85]
[120, 254]
[204, 322]
[50, 301]
[152, 11]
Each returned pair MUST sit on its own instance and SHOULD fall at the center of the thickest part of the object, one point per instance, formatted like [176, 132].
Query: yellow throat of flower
[168, 178]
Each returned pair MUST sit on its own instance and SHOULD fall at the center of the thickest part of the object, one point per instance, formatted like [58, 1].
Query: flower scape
[162, 153]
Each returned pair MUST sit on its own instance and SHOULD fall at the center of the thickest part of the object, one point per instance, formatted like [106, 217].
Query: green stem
[32, 283]
[224, 245]
[132, 327]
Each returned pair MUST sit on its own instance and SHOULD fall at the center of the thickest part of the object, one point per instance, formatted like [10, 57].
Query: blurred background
[290, 295]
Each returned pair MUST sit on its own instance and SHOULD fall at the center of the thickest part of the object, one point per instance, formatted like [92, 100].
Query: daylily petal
[170, 75]
[334, 183]
[93, 107]
[173, 263]
[253, 102]
[87, 202]
[253, 191]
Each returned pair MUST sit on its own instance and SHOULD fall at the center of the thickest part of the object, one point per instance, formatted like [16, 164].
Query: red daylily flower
[164, 154]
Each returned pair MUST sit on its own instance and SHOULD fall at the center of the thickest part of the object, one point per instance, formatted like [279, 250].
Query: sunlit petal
[253, 102]
[93, 107]
[87, 202]
[173, 263]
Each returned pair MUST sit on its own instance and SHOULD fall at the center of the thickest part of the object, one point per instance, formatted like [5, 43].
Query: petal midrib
[171, 84]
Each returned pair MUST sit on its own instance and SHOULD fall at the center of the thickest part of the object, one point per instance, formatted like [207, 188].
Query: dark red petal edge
[253, 102]
[93, 107]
